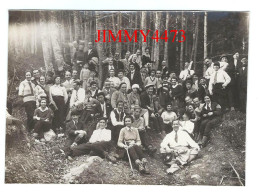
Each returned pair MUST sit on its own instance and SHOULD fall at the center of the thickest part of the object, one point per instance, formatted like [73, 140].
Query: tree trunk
[144, 28]
[70, 28]
[182, 44]
[156, 48]
[54, 34]
[196, 42]
[76, 25]
[136, 27]
[99, 46]
[45, 41]
[166, 43]
[118, 44]
[205, 35]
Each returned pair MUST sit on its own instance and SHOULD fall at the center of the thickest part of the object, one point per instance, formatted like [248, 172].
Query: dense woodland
[50, 36]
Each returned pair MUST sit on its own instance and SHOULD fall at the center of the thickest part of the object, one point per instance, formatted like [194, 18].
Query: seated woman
[99, 142]
[186, 124]
[211, 117]
[43, 117]
[178, 148]
[129, 139]
[168, 116]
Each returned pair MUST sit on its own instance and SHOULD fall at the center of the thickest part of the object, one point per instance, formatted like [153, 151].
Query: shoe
[204, 141]
[146, 169]
[140, 166]
[151, 149]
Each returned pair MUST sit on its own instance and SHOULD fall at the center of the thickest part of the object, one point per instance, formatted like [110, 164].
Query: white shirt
[116, 81]
[57, 90]
[103, 106]
[168, 117]
[184, 73]
[77, 97]
[184, 139]
[188, 126]
[222, 77]
[100, 135]
[26, 91]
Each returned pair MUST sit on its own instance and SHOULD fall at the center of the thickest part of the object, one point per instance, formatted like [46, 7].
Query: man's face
[150, 90]
[224, 59]
[107, 85]
[158, 74]
[120, 75]
[128, 122]
[57, 80]
[81, 47]
[137, 113]
[127, 55]
[112, 73]
[93, 87]
[117, 56]
[147, 51]
[196, 102]
[36, 74]
[202, 81]
[207, 99]
[90, 45]
[185, 117]
[100, 98]
[74, 74]
[195, 77]
[173, 81]
[188, 86]
[138, 52]
[28, 76]
[132, 68]
[68, 75]
[134, 58]
[207, 62]
[43, 103]
[244, 61]
[123, 88]
[176, 125]
[102, 124]
[216, 68]
[75, 86]
[75, 118]
[110, 62]
[153, 73]
[190, 108]
[188, 100]
[120, 106]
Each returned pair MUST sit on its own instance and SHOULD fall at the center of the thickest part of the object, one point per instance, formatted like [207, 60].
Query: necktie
[76, 96]
[176, 137]
[31, 88]
[215, 78]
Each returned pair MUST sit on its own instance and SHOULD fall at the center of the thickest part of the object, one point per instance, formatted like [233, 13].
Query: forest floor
[216, 164]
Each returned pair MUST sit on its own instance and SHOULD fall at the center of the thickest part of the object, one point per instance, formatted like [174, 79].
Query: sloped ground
[40, 164]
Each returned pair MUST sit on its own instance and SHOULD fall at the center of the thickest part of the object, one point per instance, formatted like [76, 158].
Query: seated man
[178, 148]
[210, 117]
[139, 123]
[75, 133]
[99, 143]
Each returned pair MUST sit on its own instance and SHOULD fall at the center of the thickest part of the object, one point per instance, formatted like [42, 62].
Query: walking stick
[133, 174]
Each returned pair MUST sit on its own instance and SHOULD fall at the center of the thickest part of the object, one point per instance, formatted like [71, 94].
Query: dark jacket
[215, 108]
[136, 79]
[89, 56]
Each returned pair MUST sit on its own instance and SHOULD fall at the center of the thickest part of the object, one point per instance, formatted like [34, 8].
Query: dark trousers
[219, 95]
[135, 153]
[116, 132]
[208, 124]
[145, 141]
[70, 140]
[242, 99]
[59, 115]
[98, 147]
[41, 127]
[29, 109]
[230, 96]
[167, 128]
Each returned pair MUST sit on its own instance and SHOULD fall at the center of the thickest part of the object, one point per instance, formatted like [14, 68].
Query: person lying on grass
[129, 139]
[178, 148]
[99, 143]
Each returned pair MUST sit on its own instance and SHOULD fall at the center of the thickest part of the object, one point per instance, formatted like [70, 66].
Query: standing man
[217, 85]
[117, 61]
[242, 84]
[78, 59]
[125, 62]
[91, 56]
[135, 77]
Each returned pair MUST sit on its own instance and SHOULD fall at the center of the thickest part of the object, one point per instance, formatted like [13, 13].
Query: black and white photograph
[136, 97]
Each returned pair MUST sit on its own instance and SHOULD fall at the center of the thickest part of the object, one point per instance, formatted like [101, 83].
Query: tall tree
[205, 35]
[45, 41]
[182, 44]
[100, 46]
[136, 27]
[196, 42]
[54, 35]
[156, 48]
[119, 22]
[144, 28]
[76, 25]
[166, 43]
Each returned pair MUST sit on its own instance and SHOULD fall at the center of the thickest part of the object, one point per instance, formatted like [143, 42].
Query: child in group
[85, 75]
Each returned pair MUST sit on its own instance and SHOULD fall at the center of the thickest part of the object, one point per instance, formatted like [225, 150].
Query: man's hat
[223, 55]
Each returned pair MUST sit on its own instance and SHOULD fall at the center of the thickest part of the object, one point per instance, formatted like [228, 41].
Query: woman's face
[42, 80]
[173, 81]
[207, 99]
[123, 88]
[57, 80]
[147, 51]
[135, 90]
[169, 107]
[28, 76]
[190, 108]
[185, 117]
[128, 122]
[102, 124]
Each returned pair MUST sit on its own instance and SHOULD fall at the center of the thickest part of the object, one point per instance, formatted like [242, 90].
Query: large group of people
[132, 101]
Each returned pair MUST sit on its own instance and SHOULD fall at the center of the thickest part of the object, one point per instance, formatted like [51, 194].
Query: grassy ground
[40, 164]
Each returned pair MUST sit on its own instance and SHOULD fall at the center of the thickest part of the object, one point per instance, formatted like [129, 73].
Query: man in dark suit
[107, 68]
[135, 77]
[75, 133]
[89, 55]
[202, 89]
[242, 84]
[104, 107]
[117, 63]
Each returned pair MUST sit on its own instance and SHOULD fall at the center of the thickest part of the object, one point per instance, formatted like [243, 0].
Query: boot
[140, 166]
[204, 141]
[146, 169]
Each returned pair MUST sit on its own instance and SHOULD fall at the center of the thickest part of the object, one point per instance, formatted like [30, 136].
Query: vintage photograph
[145, 97]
